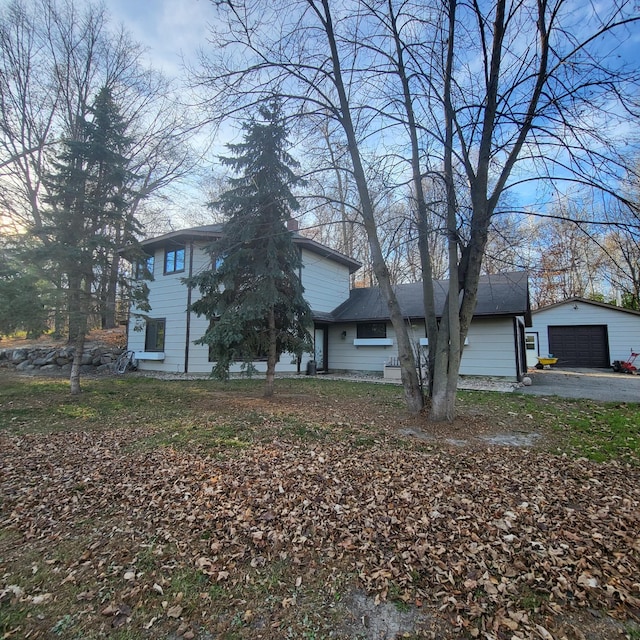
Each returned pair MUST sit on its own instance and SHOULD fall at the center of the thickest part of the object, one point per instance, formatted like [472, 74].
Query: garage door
[580, 346]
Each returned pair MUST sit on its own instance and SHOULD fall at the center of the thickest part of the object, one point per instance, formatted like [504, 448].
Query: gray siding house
[352, 332]
[583, 333]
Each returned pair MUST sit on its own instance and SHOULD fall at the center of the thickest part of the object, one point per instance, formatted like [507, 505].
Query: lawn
[196, 509]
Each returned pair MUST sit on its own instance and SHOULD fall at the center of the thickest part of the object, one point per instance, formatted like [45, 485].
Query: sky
[169, 29]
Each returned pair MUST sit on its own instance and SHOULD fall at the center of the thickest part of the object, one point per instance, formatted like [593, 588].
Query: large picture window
[154, 335]
[371, 330]
[174, 260]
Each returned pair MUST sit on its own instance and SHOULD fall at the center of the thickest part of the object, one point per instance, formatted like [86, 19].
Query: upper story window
[371, 330]
[174, 260]
[144, 268]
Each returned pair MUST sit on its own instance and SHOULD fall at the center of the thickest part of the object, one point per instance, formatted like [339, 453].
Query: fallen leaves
[494, 539]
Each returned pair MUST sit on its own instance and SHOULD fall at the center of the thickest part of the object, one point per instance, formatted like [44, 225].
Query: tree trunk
[272, 355]
[447, 358]
[108, 319]
[74, 378]
[408, 373]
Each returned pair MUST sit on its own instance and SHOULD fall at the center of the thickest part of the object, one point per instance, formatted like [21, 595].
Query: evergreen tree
[252, 295]
[85, 204]
[21, 299]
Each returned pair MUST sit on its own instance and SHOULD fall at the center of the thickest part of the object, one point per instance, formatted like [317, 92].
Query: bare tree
[54, 57]
[482, 98]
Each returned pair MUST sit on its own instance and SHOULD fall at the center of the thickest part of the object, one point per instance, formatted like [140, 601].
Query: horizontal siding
[490, 352]
[623, 327]
[168, 299]
[325, 282]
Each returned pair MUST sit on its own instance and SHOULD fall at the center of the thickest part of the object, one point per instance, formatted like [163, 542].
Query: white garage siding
[490, 352]
[623, 327]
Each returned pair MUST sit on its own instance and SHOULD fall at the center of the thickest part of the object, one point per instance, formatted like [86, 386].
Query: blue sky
[167, 28]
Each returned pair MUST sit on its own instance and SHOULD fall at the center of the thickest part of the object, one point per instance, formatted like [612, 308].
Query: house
[583, 333]
[352, 331]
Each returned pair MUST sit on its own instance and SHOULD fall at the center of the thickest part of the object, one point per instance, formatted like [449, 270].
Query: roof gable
[595, 303]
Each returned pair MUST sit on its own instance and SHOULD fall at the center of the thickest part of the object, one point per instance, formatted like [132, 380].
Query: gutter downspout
[188, 331]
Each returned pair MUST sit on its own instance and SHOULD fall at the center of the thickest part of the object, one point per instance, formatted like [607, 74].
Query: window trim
[175, 250]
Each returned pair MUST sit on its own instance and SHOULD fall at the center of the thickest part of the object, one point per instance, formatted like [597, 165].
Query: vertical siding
[623, 327]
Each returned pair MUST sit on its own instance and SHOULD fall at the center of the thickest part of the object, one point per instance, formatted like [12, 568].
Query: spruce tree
[85, 203]
[252, 295]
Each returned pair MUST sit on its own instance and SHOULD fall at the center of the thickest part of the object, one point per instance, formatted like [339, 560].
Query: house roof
[595, 303]
[505, 294]
[213, 231]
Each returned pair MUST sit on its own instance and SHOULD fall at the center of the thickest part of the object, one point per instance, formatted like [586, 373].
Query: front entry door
[320, 347]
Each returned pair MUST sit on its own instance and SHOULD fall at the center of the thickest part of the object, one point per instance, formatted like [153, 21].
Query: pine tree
[252, 295]
[85, 203]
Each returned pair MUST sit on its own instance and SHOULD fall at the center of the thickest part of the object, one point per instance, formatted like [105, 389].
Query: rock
[19, 355]
[25, 365]
[526, 381]
[51, 368]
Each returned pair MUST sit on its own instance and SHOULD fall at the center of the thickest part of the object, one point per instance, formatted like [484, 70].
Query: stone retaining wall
[95, 358]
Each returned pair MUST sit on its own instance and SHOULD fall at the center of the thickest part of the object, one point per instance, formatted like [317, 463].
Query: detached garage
[583, 333]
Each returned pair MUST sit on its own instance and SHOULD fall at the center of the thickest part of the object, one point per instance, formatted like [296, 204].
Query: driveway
[593, 384]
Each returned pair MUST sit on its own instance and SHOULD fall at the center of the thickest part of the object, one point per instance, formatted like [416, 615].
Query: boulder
[19, 355]
[25, 365]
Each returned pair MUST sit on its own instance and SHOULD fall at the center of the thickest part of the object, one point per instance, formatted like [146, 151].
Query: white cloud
[169, 29]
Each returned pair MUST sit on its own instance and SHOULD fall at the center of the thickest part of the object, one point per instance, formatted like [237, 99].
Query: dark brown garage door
[580, 346]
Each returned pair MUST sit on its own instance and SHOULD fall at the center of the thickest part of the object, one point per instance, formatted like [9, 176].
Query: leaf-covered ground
[186, 511]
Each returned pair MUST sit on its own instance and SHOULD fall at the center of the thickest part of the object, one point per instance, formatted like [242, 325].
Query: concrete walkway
[593, 384]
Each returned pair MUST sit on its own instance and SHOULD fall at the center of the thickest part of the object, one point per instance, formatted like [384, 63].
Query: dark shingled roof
[213, 231]
[505, 294]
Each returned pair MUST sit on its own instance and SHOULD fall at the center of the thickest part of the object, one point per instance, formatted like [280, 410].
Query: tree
[253, 296]
[21, 299]
[482, 97]
[55, 55]
[87, 198]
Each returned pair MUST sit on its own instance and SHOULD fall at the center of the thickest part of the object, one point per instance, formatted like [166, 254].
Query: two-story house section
[163, 338]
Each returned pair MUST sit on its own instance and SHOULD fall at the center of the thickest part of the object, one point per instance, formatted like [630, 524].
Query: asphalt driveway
[594, 384]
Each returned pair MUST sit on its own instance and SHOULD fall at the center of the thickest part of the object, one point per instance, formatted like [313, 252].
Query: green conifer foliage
[252, 295]
[87, 201]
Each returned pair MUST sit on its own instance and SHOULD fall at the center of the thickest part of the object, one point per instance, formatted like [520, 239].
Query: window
[154, 335]
[371, 330]
[144, 268]
[174, 260]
